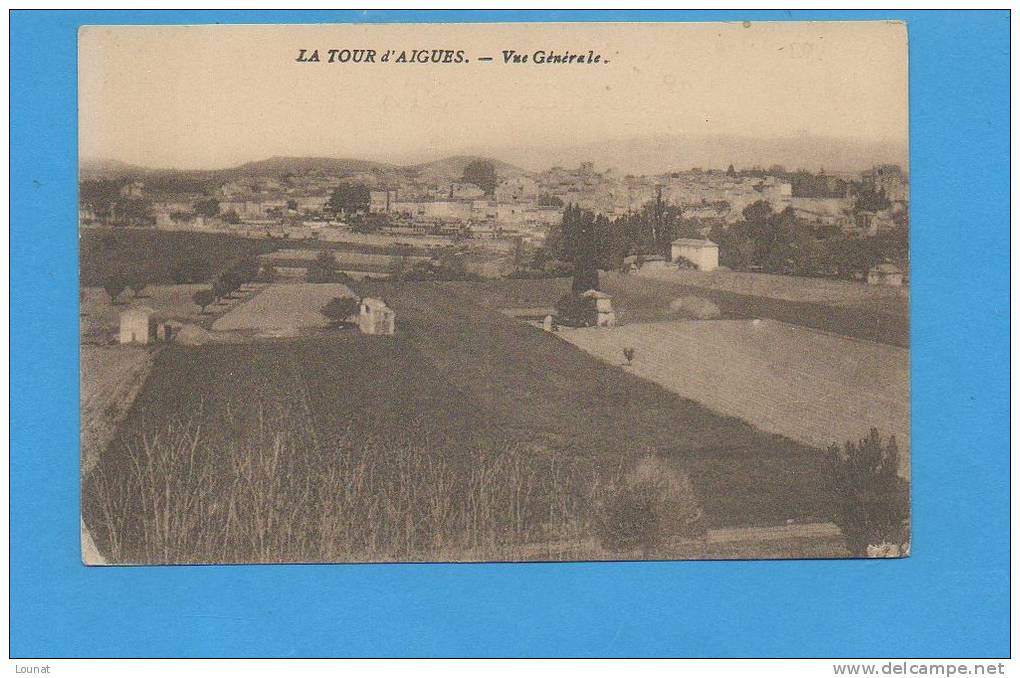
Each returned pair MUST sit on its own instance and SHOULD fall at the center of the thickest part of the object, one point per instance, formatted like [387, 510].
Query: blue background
[951, 598]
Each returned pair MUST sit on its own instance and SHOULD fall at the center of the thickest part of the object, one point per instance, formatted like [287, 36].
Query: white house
[375, 317]
[885, 274]
[704, 254]
[137, 325]
[142, 325]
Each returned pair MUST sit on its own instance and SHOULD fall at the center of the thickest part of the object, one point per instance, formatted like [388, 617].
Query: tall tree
[324, 268]
[482, 174]
[114, 285]
[203, 298]
[581, 237]
[657, 225]
[348, 199]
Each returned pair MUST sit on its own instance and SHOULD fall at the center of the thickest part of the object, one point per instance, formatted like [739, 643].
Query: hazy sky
[217, 96]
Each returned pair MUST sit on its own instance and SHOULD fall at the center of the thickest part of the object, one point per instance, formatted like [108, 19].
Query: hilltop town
[838, 224]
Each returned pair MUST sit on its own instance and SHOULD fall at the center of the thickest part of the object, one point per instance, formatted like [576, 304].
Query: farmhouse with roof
[142, 325]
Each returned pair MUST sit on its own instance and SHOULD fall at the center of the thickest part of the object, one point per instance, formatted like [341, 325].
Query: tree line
[762, 240]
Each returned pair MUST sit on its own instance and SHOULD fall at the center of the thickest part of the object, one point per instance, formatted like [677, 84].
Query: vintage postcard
[494, 292]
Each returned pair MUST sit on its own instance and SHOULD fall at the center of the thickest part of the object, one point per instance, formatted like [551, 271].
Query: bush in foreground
[695, 308]
[871, 503]
[654, 504]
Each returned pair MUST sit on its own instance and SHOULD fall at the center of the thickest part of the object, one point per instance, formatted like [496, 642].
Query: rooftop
[694, 242]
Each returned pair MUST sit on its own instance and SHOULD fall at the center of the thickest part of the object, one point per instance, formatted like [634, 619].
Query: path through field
[110, 379]
[807, 385]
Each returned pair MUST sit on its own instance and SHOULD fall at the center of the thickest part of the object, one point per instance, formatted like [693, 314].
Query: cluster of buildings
[529, 204]
[526, 204]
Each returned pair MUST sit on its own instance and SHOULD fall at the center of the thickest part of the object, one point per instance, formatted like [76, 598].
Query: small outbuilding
[604, 314]
[142, 325]
[704, 254]
[138, 325]
[886, 274]
[375, 317]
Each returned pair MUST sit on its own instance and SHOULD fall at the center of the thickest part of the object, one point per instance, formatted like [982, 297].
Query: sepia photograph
[494, 292]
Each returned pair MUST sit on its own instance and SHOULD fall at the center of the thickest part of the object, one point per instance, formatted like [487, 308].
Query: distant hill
[666, 153]
[89, 168]
[453, 167]
[277, 166]
[631, 155]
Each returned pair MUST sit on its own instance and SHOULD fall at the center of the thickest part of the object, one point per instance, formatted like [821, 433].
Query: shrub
[685, 263]
[323, 269]
[694, 307]
[575, 310]
[339, 309]
[870, 502]
[221, 288]
[203, 298]
[654, 503]
[228, 282]
[247, 269]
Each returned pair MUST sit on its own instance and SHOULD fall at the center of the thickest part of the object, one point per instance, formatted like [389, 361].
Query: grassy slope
[299, 444]
[546, 389]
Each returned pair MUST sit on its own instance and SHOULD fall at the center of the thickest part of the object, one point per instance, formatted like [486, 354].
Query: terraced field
[563, 397]
[282, 307]
[811, 386]
[347, 261]
[640, 299]
[870, 320]
[792, 288]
